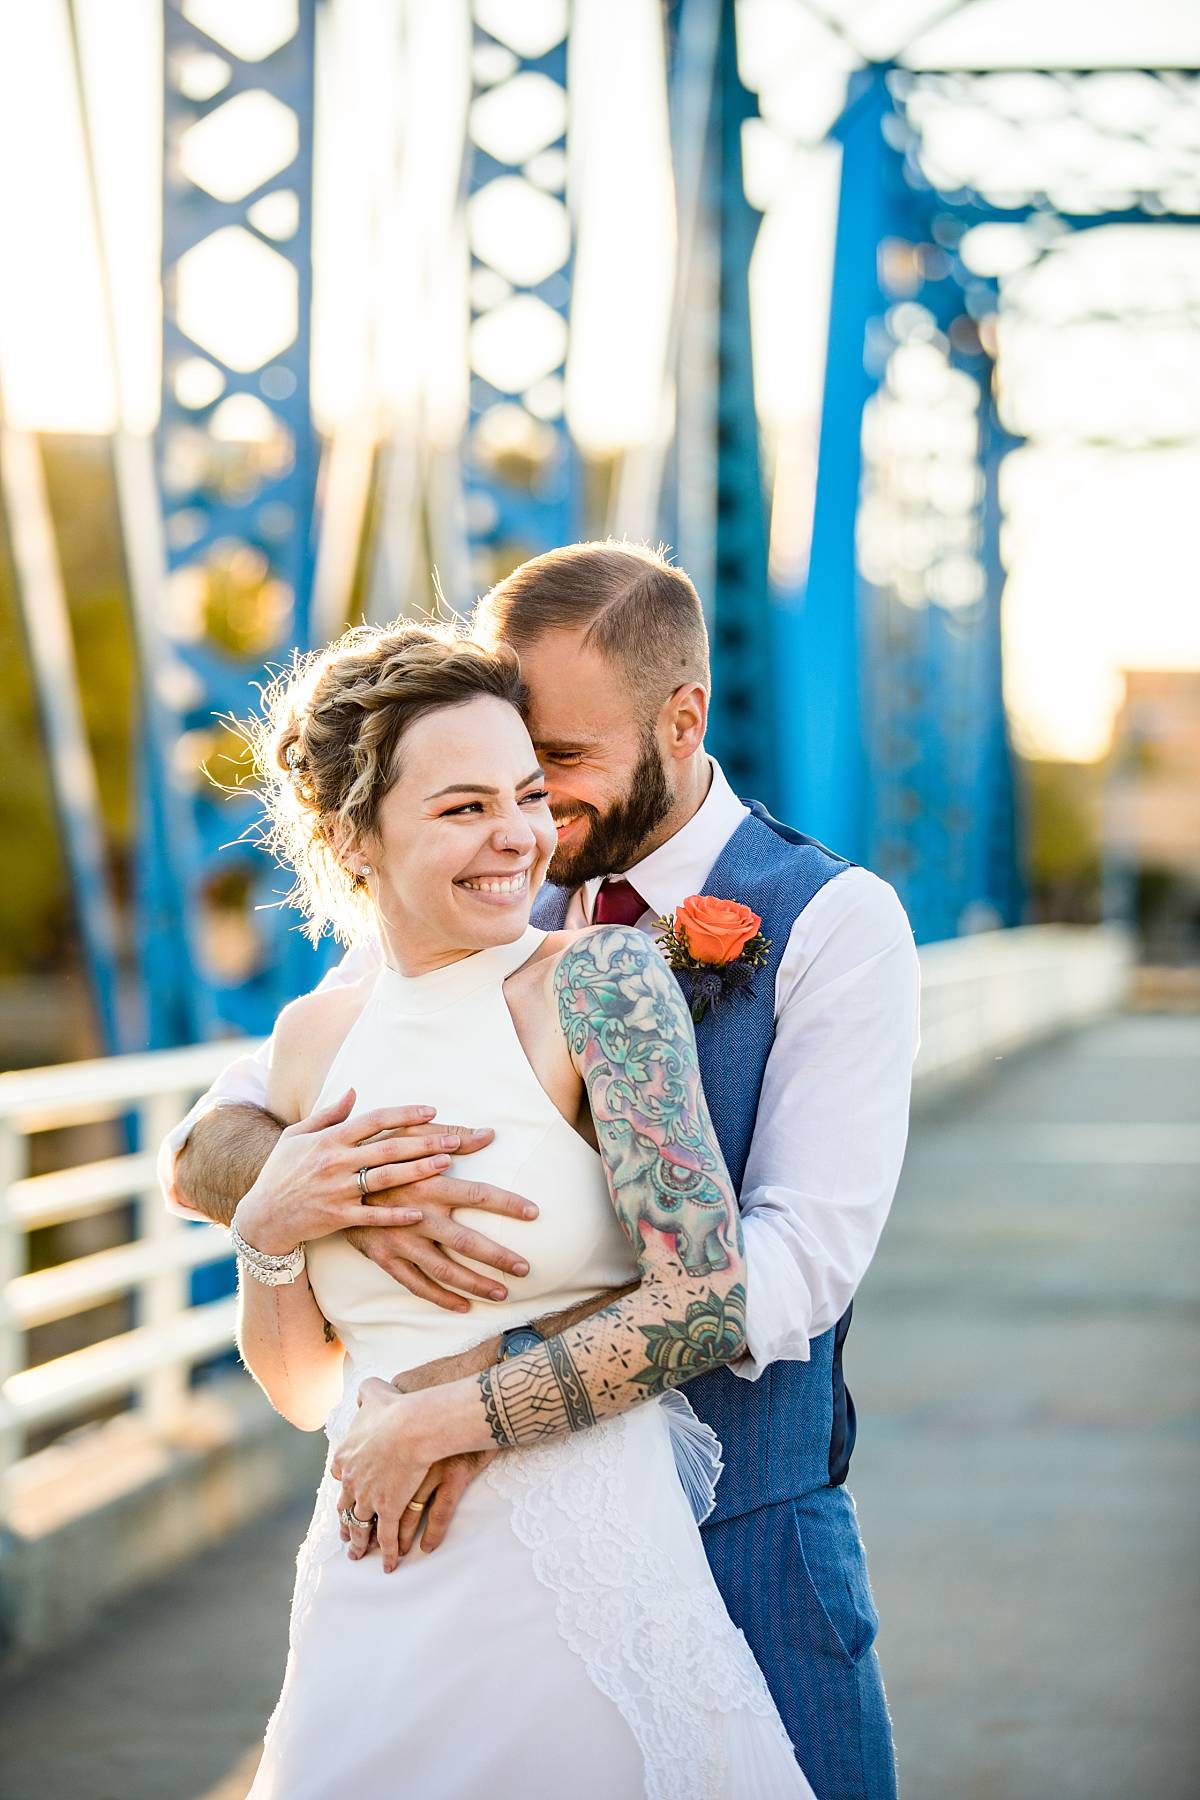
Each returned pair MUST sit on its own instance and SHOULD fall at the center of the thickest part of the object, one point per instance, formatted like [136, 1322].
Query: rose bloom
[715, 931]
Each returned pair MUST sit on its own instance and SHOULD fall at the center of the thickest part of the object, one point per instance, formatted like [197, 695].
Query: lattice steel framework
[744, 733]
[237, 465]
[901, 755]
[520, 467]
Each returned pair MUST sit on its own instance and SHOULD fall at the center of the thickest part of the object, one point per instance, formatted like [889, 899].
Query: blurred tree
[1063, 807]
[37, 929]
[79, 479]
[35, 904]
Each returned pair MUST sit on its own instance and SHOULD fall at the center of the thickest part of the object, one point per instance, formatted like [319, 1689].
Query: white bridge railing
[983, 997]
[150, 1362]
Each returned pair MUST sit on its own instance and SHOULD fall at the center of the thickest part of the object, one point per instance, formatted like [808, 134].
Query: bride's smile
[498, 888]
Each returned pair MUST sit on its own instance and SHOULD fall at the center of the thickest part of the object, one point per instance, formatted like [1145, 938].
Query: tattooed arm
[630, 1036]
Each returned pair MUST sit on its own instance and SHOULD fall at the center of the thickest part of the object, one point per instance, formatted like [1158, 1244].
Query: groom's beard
[615, 838]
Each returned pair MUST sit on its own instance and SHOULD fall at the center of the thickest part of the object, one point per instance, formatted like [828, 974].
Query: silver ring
[415, 1506]
[362, 1183]
[350, 1517]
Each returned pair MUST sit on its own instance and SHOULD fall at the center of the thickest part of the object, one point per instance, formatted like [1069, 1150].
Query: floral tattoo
[630, 1035]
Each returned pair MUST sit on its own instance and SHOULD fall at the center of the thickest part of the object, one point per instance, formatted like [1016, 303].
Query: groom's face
[608, 779]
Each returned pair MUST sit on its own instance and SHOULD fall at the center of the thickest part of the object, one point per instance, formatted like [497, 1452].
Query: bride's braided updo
[326, 745]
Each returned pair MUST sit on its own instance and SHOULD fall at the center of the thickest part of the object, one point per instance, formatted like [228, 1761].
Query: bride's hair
[326, 745]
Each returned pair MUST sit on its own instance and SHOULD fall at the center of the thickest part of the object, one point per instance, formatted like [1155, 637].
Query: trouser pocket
[830, 1573]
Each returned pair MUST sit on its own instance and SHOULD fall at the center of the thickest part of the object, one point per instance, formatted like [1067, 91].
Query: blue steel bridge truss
[521, 474]
[237, 473]
[892, 722]
[864, 702]
[898, 751]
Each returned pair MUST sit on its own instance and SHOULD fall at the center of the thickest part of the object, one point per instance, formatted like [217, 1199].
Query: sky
[1104, 570]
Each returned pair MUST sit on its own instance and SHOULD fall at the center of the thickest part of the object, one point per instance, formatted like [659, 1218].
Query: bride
[568, 1638]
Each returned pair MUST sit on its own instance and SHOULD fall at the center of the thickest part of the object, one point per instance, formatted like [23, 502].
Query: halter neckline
[427, 993]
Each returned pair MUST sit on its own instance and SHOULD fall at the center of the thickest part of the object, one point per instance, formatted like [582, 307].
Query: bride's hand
[381, 1463]
[309, 1186]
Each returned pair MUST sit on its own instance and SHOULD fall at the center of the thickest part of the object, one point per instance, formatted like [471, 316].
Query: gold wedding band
[415, 1506]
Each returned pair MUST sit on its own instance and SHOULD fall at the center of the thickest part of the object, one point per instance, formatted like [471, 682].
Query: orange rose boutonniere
[715, 931]
[714, 947]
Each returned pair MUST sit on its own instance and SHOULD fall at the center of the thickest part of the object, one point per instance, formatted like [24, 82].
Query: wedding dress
[567, 1639]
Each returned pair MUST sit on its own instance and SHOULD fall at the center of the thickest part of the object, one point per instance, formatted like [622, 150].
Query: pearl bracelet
[272, 1271]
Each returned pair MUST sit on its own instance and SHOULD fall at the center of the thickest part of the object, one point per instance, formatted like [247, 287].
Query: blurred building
[1153, 823]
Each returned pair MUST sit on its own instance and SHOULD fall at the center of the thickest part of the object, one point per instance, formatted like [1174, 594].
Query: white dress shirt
[832, 1119]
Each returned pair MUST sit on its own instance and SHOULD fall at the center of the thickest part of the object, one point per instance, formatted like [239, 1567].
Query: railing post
[12, 1167]
[165, 1293]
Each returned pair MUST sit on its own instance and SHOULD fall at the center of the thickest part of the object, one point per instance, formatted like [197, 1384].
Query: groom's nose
[562, 789]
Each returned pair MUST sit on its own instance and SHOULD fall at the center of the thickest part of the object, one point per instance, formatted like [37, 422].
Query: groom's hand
[441, 1491]
[449, 1479]
[424, 1257]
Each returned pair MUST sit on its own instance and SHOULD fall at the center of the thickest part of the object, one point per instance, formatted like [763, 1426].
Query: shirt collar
[678, 868]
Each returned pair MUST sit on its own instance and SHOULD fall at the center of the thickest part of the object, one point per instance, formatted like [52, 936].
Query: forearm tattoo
[631, 1037]
[535, 1396]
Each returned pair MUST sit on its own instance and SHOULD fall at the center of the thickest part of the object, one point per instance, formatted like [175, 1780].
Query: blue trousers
[794, 1578]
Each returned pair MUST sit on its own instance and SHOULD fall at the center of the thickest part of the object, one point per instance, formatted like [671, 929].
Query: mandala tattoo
[631, 1037]
[711, 1331]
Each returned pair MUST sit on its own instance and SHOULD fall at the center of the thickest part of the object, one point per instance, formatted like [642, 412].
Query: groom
[806, 1075]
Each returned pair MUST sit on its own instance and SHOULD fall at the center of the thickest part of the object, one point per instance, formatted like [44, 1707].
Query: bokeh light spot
[251, 31]
[239, 146]
[237, 298]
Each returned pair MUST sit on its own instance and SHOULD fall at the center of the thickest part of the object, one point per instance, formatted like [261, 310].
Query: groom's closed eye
[563, 759]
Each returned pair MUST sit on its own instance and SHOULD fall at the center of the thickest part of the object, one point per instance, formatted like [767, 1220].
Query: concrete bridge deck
[1024, 1361]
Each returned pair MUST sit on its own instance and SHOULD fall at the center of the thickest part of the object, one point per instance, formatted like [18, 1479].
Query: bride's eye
[467, 806]
[539, 795]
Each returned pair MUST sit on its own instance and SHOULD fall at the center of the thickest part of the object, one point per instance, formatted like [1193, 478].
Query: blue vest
[792, 1430]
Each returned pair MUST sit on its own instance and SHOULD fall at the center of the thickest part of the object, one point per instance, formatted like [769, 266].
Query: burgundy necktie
[618, 904]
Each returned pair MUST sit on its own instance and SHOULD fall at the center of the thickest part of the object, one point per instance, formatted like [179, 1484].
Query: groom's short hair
[635, 607]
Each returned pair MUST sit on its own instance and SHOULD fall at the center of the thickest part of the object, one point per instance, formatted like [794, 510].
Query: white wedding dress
[567, 1642]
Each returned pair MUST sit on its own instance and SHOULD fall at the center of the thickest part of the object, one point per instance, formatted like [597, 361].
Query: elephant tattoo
[681, 1202]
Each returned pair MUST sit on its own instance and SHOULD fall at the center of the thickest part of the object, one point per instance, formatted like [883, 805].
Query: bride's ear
[350, 854]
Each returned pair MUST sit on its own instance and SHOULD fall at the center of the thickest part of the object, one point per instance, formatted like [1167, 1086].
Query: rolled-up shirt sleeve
[243, 1082]
[832, 1119]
